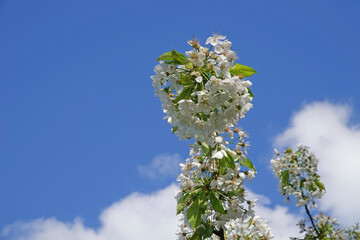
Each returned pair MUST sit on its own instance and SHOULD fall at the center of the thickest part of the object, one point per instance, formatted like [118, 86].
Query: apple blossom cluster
[327, 228]
[297, 174]
[204, 94]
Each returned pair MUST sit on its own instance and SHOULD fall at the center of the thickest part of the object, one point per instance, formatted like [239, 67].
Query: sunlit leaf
[216, 204]
[230, 160]
[165, 56]
[205, 147]
[248, 163]
[185, 93]
[242, 71]
[194, 213]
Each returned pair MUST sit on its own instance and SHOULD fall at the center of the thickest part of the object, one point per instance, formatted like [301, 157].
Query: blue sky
[78, 115]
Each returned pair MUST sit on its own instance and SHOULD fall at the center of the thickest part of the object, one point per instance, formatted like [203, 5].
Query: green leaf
[248, 163]
[205, 147]
[181, 203]
[165, 56]
[194, 213]
[319, 184]
[179, 208]
[189, 66]
[174, 129]
[173, 57]
[242, 71]
[284, 177]
[230, 160]
[289, 150]
[251, 94]
[222, 166]
[186, 80]
[185, 93]
[202, 232]
[179, 57]
[196, 235]
[184, 197]
[238, 192]
[187, 199]
[216, 204]
[207, 231]
[203, 196]
[250, 221]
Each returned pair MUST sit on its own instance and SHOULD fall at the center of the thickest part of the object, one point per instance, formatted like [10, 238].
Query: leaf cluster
[198, 201]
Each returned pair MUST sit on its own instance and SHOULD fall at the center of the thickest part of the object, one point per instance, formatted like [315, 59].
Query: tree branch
[312, 221]
[220, 233]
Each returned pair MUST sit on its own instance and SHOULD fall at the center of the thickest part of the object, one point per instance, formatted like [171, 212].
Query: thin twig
[312, 220]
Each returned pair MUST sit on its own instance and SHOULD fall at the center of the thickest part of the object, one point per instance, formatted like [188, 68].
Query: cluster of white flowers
[297, 173]
[204, 95]
[201, 97]
[328, 228]
[211, 172]
[258, 229]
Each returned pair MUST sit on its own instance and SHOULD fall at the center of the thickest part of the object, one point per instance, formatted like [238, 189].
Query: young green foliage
[242, 71]
[215, 203]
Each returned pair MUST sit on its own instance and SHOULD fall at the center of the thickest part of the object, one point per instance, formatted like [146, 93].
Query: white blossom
[215, 39]
[297, 173]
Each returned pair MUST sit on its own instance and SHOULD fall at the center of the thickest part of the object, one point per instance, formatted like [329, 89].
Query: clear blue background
[77, 109]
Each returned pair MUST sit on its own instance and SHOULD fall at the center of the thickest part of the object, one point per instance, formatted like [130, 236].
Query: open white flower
[218, 154]
[199, 79]
[214, 40]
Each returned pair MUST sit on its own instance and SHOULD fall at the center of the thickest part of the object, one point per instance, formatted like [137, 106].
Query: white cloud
[163, 165]
[282, 223]
[325, 128]
[138, 217]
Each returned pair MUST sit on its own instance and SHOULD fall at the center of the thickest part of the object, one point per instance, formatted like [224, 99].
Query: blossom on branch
[204, 94]
[298, 177]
